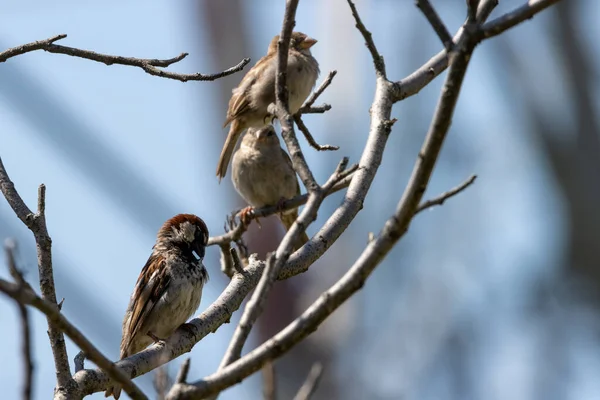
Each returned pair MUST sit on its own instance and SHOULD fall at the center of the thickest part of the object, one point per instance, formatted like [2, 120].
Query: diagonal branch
[25, 295]
[436, 23]
[315, 95]
[518, 15]
[150, 66]
[310, 385]
[269, 382]
[309, 138]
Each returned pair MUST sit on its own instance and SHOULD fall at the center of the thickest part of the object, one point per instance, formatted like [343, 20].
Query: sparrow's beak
[307, 43]
[198, 248]
[263, 133]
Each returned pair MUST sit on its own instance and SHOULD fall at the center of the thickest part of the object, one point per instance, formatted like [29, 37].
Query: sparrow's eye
[270, 133]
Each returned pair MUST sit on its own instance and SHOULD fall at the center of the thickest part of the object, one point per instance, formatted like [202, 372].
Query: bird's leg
[280, 204]
[155, 338]
[246, 216]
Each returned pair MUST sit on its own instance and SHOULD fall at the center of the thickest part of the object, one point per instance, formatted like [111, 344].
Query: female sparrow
[263, 175]
[249, 102]
[169, 288]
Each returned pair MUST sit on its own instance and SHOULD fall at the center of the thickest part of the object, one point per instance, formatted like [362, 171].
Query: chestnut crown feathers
[185, 230]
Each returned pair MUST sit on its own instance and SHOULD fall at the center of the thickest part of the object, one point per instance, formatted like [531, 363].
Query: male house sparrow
[169, 288]
[263, 175]
[249, 102]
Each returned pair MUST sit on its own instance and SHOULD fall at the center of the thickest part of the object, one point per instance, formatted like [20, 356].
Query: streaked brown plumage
[250, 99]
[168, 289]
[263, 175]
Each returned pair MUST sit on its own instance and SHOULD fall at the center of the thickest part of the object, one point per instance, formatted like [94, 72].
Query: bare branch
[311, 383]
[377, 58]
[150, 66]
[162, 382]
[237, 263]
[37, 225]
[315, 95]
[183, 371]
[269, 382]
[438, 201]
[309, 138]
[253, 309]
[25, 325]
[59, 322]
[436, 23]
[520, 14]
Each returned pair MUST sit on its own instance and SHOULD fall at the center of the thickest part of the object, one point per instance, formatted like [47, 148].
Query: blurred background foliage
[492, 296]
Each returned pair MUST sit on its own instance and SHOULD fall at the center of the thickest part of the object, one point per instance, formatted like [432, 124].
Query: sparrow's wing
[239, 103]
[150, 287]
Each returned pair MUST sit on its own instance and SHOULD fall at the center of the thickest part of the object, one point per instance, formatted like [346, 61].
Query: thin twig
[150, 66]
[183, 371]
[339, 173]
[377, 58]
[25, 325]
[323, 108]
[269, 382]
[518, 15]
[315, 95]
[436, 23]
[162, 382]
[312, 381]
[439, 200]
[309, 138]
[472, 6]
[79, 361]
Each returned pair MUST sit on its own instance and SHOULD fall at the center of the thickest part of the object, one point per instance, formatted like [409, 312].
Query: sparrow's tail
[287, 220]
[115, 390]
[232, 137]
